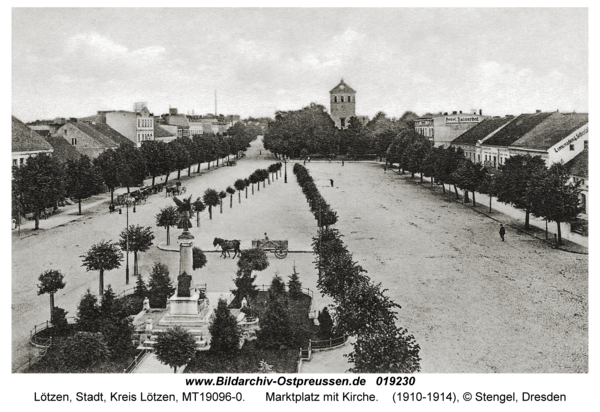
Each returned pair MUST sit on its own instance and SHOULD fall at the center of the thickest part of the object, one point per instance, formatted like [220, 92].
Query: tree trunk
[443, 188]
[51, 307]
[526, 219]
[127, 189]
[559, 234]
[217, 162]
[168, 237]
[210, 212]
[421, 177]
[152, 180]
[239, 197]
[490, 203]
[167, 179]
[246, 192]
[199, 163]
[135, 264]
[230, 201]
[209, 165]
[101, 282]
[79, 207]
[197, 219]
[37, 220]
[112, 195]
[412, 175]
[456, 191]
[175, 369]
[178, 173]
[221, 204]
[466, 197]
[189, 170]
[474, 204]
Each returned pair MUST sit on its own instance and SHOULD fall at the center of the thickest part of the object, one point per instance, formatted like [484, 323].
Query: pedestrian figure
[305, 161]
[502, 231]
[331, 180]
[384, 169]
[308, 159]
[342, 163]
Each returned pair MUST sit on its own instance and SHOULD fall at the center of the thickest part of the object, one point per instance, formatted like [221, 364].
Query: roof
[102, 133]
[342, 88]
[160, 131]
[517, 128]
[25, 139]
[178, 120]
[481, 130]
[63, 151]
[578, 166]
[551, 131]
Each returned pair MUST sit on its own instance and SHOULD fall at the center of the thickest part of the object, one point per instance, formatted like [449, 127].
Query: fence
[138, 359]
[327, 343]
[306, 291]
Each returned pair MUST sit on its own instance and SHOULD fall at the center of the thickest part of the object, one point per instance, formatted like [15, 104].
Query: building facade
[26, 143]
[443, 129]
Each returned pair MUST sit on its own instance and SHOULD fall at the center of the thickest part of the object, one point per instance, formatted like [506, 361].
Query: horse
[227, 245]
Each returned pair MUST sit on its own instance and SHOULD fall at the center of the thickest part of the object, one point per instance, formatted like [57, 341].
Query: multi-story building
[443, 129]
[137, 126]
[471, 140]
[578, 168]
[342, 101]
[164, 132]
[26, 143]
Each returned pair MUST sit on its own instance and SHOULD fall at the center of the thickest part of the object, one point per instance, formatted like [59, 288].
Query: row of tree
[361, 307]
[311, 131]
[44, 181]
[323, 213]
[523, 181]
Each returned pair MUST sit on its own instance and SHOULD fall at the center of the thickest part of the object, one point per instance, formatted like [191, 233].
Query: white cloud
[98, 47]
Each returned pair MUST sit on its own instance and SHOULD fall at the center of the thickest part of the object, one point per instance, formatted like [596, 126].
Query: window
[335, 99]
[349, 99]
[342, 97]
[585, 144]
[583, 203]
[21, 161]
[494, 161]
[15, 162]
[572, 147]
[479, 158]
[343, 121]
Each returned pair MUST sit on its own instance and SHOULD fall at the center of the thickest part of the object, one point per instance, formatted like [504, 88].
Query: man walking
[331, 180]
[502, 231]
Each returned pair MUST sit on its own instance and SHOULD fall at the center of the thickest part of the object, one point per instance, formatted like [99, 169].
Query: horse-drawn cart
[278, 247]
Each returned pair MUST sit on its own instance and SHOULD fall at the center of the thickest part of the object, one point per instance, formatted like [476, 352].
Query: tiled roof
[161, 132]
[551, 131]
[517, 128]
[63, 151]
[481, 130]
[342, 88]
[178, 120]
[102, 133]
[578, 165]
[25, 139]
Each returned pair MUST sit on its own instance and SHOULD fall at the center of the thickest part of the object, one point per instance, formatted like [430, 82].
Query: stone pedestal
[186, 241]
[184, 305]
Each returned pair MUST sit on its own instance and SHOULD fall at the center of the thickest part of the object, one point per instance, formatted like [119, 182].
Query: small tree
[168, 217]
[277, 288]
[325, 324]
[82, 179]
[240, 185]
[231, 191]
[211, 199]
[175, 347]
[88, 313]
[250, 260]
[102, 256]
[275, 329]
[198, 207]
[222, 195]
[160, 286]
[51, 281]
[224, 330]
[294, 285]
[198, 258]
[84, 349]
[59, 321]
[136, 239]
[247, 183]
[140, 289]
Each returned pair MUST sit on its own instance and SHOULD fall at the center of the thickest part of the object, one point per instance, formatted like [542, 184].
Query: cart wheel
[281, 253]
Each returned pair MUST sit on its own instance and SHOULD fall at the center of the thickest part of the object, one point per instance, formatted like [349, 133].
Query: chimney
[461, 112]
[454, 112]
[480, 112]
[538, 111]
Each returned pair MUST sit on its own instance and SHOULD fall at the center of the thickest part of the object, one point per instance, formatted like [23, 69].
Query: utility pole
[216, 103]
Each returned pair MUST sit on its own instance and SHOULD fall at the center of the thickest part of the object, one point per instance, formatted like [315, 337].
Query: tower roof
[342, 88]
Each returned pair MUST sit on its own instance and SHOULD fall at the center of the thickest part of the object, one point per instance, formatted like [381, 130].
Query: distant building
[559, 138]
[470, 141]
[578, 168]
[182, 123]
[26, 142]
[342, 101]
[91, 138]
[137, 126]
[195, 123]
[63, 150]
[443, 129]
[164, 133]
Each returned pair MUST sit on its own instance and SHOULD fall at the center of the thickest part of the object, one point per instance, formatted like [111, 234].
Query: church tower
[343, 104]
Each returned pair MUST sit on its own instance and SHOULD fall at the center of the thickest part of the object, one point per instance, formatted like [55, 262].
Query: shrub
[84, 349]
[88, 313]
[160, 286]
[175, 347]
[224, 331]
[59, 321]
[325, 324]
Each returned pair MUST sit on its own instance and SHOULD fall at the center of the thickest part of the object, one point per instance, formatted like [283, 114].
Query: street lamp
[127, 202]
[285, 177]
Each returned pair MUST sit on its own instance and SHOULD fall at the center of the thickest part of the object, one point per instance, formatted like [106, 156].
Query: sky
[72, 62]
